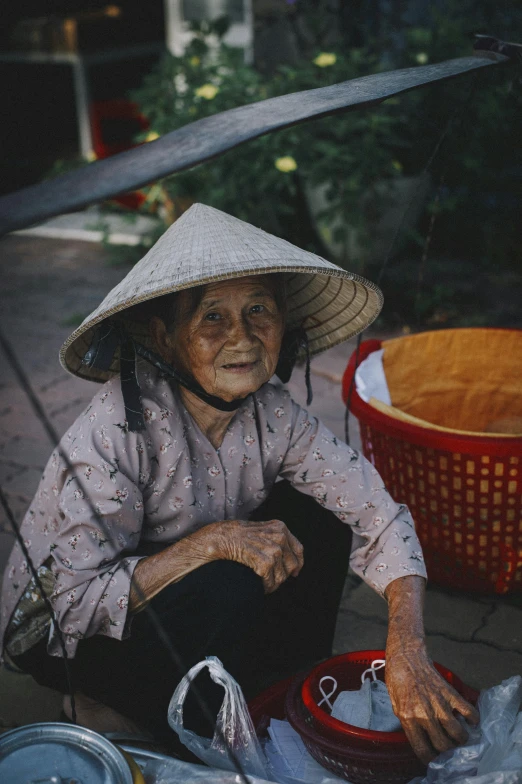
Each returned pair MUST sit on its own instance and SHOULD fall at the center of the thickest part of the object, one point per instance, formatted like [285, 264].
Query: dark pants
[221, 610]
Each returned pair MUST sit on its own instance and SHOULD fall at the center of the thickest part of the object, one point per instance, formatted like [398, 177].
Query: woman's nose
[240, 334]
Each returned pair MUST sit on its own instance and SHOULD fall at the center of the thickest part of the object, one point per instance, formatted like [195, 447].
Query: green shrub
[348, 157]
[266, 180]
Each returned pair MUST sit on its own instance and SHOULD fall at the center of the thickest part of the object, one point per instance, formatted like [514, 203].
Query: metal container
[142, 756]
[56, 753]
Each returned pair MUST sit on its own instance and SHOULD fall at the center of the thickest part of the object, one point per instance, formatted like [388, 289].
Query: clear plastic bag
[493, 752]
[234, 728]
[175, 771]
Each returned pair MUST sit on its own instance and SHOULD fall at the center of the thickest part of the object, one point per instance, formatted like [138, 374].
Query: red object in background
[114, 126]
[462, 548]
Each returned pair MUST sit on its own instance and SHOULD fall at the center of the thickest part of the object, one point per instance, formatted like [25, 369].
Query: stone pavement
[48, 286]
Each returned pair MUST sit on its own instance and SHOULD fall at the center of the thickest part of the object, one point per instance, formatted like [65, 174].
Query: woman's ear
[161, 337]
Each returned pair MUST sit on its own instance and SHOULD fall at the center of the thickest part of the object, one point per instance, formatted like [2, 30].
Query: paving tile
[452, 623]
[477, 664]
[356, 633]
[22, 483]
[503, 628]
[26, 449]
[364, 601]
[18, 505]
[6, 545]
[454, 614]
[9, 470]
[59, 391]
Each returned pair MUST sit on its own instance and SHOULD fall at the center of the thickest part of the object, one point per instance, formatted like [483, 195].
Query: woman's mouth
[240, 367]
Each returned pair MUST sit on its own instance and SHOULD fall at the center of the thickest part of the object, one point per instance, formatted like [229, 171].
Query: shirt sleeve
[101, 516]
[317, 463]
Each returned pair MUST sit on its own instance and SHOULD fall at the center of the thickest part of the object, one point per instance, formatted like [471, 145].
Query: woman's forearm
[267, 547]
[405, 598]
[423, 701]
[156, 572]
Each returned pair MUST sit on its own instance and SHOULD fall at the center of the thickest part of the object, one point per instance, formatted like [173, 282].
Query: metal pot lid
[142, 756]
[58, 753]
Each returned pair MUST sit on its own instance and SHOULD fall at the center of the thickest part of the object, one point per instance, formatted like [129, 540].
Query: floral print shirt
[131, 494]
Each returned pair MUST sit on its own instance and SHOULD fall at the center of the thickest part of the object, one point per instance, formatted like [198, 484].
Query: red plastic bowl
[347, 670]
[373, 764]
[358, 755]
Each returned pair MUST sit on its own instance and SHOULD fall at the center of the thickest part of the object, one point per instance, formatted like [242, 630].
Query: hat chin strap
[112, 335]
[188, 382]
[107, 339]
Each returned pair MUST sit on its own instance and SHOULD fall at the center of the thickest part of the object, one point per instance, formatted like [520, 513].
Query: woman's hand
[425, 703]
[266, 547]
[421, 699]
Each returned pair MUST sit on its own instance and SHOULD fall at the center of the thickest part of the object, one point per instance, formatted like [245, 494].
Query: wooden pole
[212, 136]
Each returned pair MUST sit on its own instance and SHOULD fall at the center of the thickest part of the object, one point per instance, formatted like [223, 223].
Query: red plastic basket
[347, 670]
[464, 492]
[359, 755]
[283, 699]
[375, 764]
[369, 760]
[114, 126]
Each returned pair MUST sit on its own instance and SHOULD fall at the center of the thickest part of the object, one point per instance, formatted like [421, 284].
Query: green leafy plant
[325, 185]
[268, 180]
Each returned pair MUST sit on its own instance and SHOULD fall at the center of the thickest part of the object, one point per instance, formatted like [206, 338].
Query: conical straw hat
[206, 245]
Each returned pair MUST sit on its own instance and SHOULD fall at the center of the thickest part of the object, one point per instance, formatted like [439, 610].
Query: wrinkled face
[231, 343]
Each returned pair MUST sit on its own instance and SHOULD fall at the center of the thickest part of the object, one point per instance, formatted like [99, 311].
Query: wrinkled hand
[425, 703]
[266, 547]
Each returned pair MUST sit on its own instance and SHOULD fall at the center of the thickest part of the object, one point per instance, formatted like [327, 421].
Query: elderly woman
[164, 494]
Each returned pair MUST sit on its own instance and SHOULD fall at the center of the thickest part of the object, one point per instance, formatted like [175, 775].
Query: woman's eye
[257, 309]
[212, 316]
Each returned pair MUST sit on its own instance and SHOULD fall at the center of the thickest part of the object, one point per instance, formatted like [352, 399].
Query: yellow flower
[326, 233]
[151, 136]
[285, 164]
[207, 91]
[194, 60]
[421, 58]
[325, 58]
[397, 165]
[112, 10]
